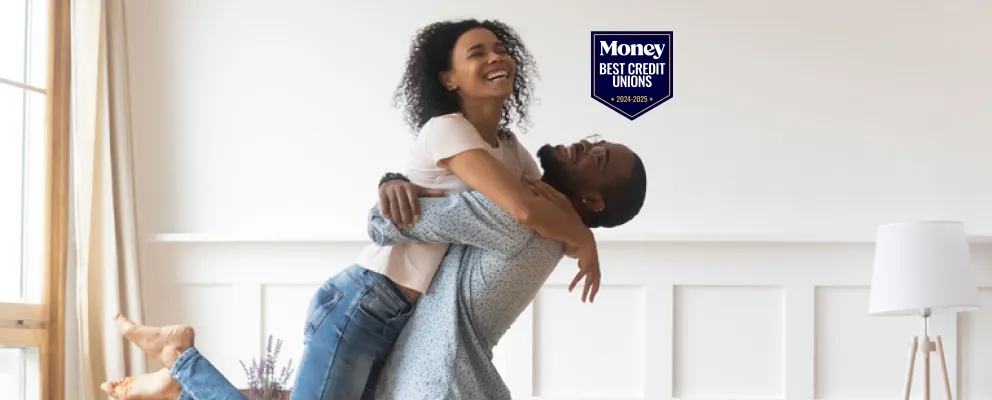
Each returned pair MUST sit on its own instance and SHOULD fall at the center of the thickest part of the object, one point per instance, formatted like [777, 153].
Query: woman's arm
[484, 173]
[453, 143]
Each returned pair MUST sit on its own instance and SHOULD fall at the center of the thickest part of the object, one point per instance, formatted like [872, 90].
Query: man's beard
[555, 173]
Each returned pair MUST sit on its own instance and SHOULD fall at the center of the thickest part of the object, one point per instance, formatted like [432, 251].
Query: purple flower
[263, 383]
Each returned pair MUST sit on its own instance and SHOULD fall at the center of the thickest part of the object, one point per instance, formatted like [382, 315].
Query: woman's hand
[554, 196]
[398, 201]
[588, 254]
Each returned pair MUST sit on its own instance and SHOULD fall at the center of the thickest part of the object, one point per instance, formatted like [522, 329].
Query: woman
[464, 83]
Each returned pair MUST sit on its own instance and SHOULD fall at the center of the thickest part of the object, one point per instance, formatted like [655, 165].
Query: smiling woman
[34, 72]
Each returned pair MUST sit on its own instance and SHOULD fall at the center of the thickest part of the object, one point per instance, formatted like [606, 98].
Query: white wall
[743, 320]
[795, 129]
[788, 118]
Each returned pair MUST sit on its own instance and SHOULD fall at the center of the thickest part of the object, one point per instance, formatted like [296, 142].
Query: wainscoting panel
[721, 320]
[215, 309]
[729, 342]
[590, 350]
[975, 332]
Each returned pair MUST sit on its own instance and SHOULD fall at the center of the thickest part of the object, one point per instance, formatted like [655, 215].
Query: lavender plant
[263, 382]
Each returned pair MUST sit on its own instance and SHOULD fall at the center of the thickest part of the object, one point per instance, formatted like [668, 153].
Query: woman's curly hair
[421, 94]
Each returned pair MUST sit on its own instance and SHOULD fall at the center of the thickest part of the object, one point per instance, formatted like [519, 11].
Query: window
[31, 105]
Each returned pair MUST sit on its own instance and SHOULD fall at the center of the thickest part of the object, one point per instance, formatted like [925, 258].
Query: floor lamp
[923, 268]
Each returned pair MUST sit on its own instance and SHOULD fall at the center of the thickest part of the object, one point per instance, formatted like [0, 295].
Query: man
[495, 271]
[490, 274]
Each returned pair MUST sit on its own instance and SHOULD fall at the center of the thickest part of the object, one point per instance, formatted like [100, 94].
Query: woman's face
[480, 66]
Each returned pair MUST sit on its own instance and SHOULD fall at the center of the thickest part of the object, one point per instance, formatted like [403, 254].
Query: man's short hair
[623, 199]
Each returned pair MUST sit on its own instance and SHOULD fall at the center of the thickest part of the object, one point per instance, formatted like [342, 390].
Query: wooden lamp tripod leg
[927, 348]
[909, 372]
[943, 368]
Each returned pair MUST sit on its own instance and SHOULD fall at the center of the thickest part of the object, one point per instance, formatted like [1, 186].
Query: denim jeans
[351, 325]
[201, 380]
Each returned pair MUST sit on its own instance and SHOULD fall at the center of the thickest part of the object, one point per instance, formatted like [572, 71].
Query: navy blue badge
[632, 71]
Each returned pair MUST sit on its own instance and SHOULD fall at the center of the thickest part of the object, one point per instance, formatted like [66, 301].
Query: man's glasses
[597, 149]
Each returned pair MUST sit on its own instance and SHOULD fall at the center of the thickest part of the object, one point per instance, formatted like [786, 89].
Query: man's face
[583, 169]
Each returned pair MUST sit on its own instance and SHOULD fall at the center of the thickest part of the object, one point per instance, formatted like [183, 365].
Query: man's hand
[588, 268]
[398, 201]
[571, 251]
[587, 255]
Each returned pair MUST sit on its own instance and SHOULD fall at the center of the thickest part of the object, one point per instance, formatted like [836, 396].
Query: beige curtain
[106, 272]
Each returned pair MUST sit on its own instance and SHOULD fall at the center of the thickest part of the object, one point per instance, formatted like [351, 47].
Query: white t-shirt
[413, 264]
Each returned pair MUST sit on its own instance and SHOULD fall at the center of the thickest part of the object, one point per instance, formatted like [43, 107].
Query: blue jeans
[351, 326]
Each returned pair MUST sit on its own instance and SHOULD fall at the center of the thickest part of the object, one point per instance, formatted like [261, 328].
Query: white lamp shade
[922, 265]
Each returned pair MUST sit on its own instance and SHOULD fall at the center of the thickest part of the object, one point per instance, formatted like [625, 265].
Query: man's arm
[465, 218]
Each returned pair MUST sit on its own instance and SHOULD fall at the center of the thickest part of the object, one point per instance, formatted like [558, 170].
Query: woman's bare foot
[166, 344]
[154, 386]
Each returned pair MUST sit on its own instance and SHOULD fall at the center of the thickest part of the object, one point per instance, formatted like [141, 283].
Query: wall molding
[604, 237]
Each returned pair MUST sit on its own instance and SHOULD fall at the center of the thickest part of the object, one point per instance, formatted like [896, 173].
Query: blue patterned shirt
[492, 271]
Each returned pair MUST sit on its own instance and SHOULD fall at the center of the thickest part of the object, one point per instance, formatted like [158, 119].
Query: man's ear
[593, 202]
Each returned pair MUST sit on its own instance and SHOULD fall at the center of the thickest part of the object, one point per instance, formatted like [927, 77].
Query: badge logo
[632, 70]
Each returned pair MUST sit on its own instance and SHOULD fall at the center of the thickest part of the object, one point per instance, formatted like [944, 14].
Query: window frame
[42, 325]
